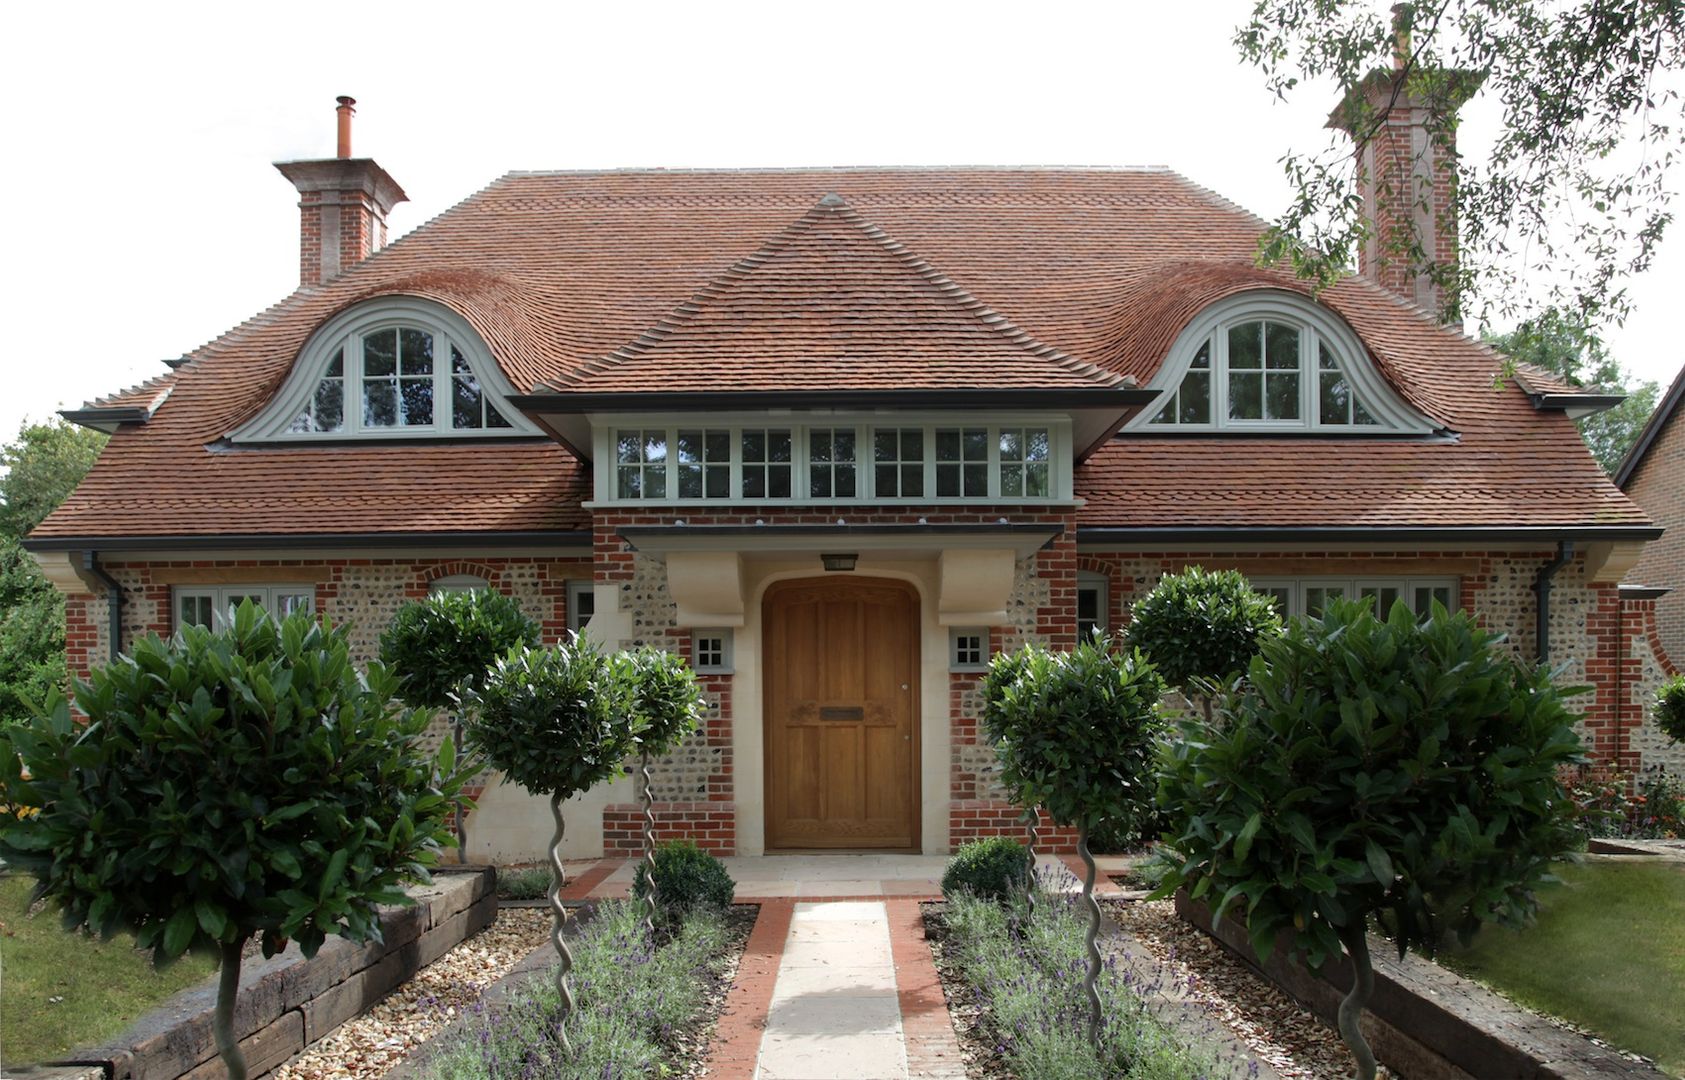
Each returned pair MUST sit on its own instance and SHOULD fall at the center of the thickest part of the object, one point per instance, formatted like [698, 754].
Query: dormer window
[1275, 362]
[397, 368]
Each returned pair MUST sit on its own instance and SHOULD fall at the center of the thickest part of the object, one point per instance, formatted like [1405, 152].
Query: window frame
[1059, 465]
[453, 583]
[955, 663]
[1093, 581]
[573, 589]
[220, 595]
[1316, 325]
[724, 665]
[1354, 585]
[343, 335]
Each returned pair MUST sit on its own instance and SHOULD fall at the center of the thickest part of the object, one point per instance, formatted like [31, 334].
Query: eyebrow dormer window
[399, 368]
[1275, 362]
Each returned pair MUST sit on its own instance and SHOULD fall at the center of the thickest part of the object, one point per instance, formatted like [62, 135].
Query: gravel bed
[366, 1047]
[977, 1048]
[1295, 1043]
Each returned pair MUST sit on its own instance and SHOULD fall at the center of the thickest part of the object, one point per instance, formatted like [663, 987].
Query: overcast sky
[145, 217]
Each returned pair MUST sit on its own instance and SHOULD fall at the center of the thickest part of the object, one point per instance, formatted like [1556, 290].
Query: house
[1651, 476]
[838, 435]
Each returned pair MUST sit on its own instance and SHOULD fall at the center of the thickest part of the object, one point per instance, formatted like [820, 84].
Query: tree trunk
[1032, 818]
[649, 848]
[1356, 940]
[222, 1021]
[558, 936]
[1090, 980]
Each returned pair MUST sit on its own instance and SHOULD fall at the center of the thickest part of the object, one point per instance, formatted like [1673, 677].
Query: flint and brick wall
[1658, 485]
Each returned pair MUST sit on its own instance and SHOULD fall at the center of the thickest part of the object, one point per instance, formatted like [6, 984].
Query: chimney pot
[347, 109]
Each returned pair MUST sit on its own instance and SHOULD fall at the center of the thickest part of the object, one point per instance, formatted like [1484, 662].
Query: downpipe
[1541, 590]
[114, 599]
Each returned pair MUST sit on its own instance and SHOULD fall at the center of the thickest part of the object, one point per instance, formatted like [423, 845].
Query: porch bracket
[976, 586]
[707, 586]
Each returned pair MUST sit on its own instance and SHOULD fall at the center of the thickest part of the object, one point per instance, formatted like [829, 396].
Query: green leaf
[1380, 864]
[211, 918]
[1243, 842]
[178, 932]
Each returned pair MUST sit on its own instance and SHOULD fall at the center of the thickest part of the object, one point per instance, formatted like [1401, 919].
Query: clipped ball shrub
[438, 644]
[1202, 624]
[665, 696]
[689, 879]
[1403, 770]
[997, 868]
[1075, 733]
[1669, 709]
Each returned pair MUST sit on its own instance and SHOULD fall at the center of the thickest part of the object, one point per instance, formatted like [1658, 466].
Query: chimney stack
[343, 203]
[1407, 169]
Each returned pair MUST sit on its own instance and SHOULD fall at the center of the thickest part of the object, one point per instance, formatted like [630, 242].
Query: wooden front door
[841, 713]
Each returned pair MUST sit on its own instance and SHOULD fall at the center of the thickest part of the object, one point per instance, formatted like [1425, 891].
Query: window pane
[1360, 415]
[630, 482]
[336, 366]
[690, 477]
[380, 353]
[494, 419]
[466, 402]
[1283, 390]
[329, 405]
[1245, 343]
[1281, 346]
[418, 401]
[885, 479]
[845, 482]
[1036, 485]
[754, 446]
[1193, 404]
[1011, 444]
[459, 363]
[380, 404]
[1202, 359]
[947, 445]
[912, 481]
[1011, 481]
[1335, 399]
[1246, 396]
[626, 446]
[719, 482]
[417, 355]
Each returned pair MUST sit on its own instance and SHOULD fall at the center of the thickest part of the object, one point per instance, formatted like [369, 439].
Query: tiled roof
[648, 278]
[832, 303]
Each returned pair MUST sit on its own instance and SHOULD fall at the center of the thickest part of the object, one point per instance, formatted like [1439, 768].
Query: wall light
[842, 563]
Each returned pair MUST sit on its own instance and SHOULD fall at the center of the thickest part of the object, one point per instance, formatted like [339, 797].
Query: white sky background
[144, 216]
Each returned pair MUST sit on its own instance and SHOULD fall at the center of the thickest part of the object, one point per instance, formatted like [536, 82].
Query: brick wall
[1658, 485]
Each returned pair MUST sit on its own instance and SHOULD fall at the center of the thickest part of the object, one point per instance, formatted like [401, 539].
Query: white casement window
[397, 367]
[837, 463]
[1310, 595]
[710, 651]
[1275, 362]
[582, 604]
[1093, 603]
[213, 606]
[968, 648]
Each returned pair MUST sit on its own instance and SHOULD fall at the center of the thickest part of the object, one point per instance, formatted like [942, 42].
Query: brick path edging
[736, 1045]
[933, 1050]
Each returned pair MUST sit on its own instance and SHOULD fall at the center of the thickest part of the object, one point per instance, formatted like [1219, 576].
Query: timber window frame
[1304, 596]
[213, 605]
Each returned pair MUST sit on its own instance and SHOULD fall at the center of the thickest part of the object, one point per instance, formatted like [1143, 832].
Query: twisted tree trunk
[558, 935]
[1032, 817]
[649, 849]
[222, 1021]
[1356, 940]
[1091, 939]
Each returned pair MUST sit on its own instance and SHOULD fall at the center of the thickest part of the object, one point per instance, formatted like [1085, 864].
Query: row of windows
[396, 379]
[833, 463]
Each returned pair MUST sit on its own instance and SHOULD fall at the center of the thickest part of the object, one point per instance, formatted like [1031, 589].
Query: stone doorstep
[1432, 1021]
[176, 1037]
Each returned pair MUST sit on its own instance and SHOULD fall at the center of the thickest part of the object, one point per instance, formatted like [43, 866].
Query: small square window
[710, 651]
[968, 649]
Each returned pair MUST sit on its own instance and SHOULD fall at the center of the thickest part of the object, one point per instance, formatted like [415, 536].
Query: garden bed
[641, 1011]
[1017, 1002]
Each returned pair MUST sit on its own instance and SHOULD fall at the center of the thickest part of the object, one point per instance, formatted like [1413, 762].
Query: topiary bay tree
[668, 705]
[1403, 770]
[1669, 708]
[1202, 627]
[438, 646]
[558, 721]
[229, 785]
[1075, 734]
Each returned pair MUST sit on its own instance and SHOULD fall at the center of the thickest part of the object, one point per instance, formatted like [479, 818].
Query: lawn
[100, 987]
[1608, 954]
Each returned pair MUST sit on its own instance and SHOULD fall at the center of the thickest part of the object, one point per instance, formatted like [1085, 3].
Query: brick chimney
[1406, 169]
[343, 202]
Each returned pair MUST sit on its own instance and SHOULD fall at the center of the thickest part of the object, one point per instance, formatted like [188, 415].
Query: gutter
[1101, 534]
[1541, 588]
[303, 541]
[114, 599]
